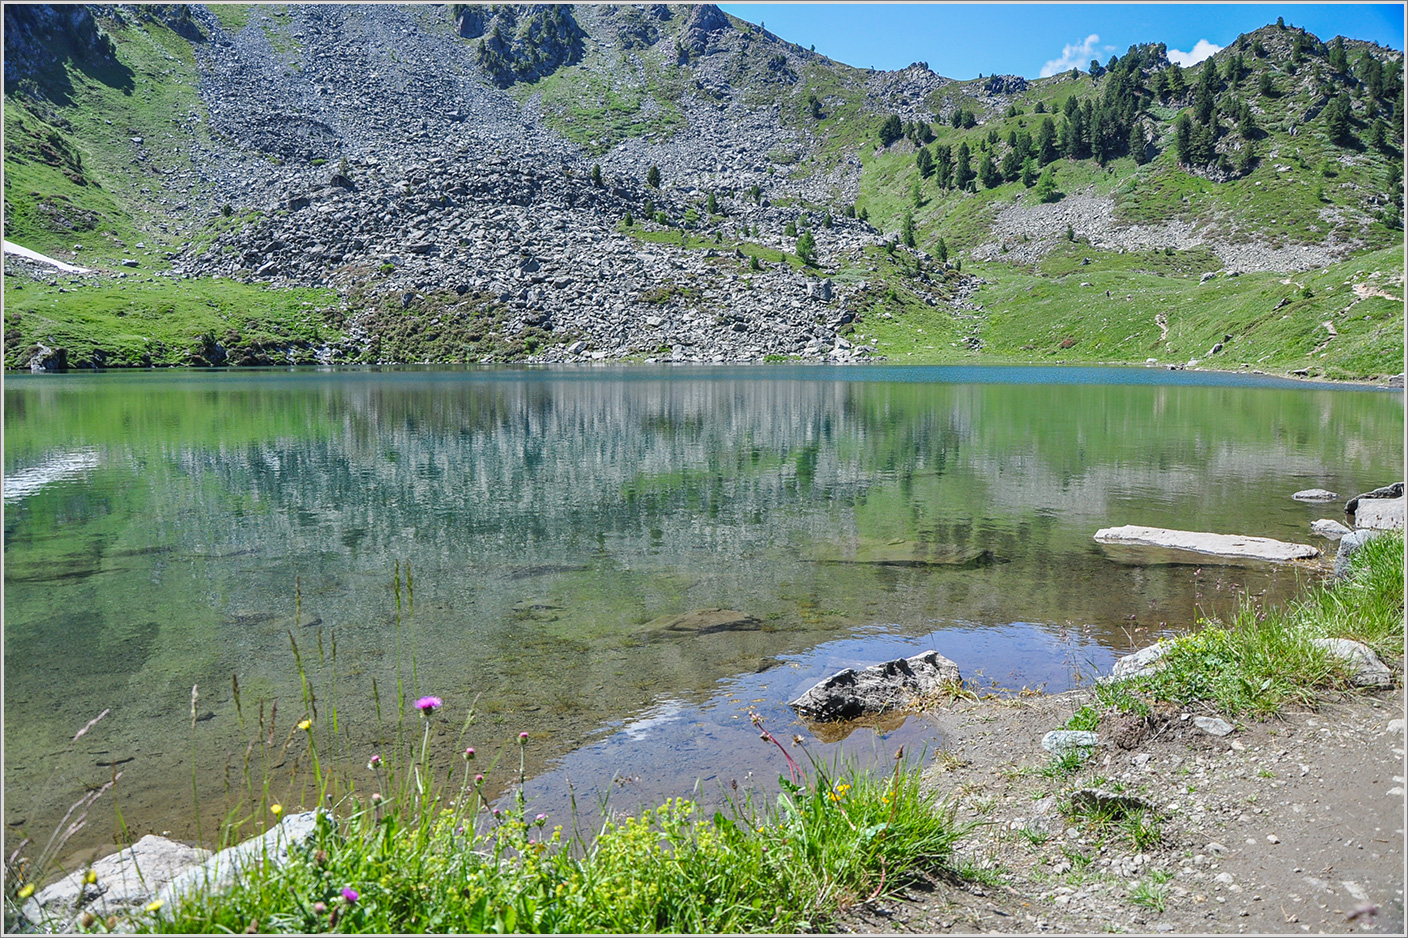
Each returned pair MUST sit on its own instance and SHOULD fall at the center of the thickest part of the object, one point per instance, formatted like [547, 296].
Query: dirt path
[1289, 826]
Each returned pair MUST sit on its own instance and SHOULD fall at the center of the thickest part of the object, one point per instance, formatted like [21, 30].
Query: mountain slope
[475, 184]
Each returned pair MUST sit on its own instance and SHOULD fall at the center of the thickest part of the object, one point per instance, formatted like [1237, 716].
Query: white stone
[1060, 741]
[1213, 725]
[1221, 545]
[1138, 664]
[1315, 495]
[219, 871]
[1369, 670]
[1379, 514]
[1329, 529]
[126, 881]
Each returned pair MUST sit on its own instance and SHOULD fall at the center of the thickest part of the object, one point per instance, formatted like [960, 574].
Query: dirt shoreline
[1287, 826]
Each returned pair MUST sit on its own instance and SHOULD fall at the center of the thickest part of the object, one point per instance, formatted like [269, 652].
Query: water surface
[169, 530]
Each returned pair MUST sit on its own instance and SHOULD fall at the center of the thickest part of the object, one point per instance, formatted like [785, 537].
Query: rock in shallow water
[1220, 545]
[1315, 495]
[849, 694]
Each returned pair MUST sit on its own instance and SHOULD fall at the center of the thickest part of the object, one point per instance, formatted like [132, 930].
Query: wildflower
[320, 907]
[523, 737]
[26, 890]
[276, 809]
[376, 797]
[305, 724]
[428, 705]
[469, 753]
[350, 894]
[154, 905]
[374, 763]
[90, 877]
[479, 780]
[540, 820]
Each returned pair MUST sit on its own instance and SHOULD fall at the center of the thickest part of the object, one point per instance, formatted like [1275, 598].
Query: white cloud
[1077, 56]
[1201, 51]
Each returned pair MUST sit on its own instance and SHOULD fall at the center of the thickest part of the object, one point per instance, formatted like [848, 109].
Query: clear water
[156, 526]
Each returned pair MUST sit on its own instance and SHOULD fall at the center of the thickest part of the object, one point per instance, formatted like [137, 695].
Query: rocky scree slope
[462, 174]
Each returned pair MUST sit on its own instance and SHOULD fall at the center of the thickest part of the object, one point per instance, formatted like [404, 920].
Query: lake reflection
[170, 530]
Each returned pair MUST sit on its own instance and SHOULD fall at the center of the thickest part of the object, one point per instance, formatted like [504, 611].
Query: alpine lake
[538, 544]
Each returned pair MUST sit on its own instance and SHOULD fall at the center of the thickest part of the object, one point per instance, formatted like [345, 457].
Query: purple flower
[523, 737]
[374, 762]
[320, 907]
[479, 780]
[350, 894]
[469, 753]
[427, 705]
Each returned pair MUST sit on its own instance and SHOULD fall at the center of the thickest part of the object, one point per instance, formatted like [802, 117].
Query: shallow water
[170, 530]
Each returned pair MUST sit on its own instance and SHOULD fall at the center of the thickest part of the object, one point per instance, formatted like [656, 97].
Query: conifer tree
[907, 229]
[806, 248]
[652, 177]
[963, 169]
[925, 162]
[987, 173]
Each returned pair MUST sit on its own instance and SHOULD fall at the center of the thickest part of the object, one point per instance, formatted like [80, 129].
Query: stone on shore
[1379, 514]
[1394, 490]
[1063, 741]
[1138, 664]
[1349, 545]
[1369, 671]
[1315, 495]
[849, 694]
[218, 872]
[126, 882]
[1218, 545]
[1213, 726]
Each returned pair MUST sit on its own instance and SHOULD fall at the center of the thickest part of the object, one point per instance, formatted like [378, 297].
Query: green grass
[166, 321]
[463, 868]
[1263, 661]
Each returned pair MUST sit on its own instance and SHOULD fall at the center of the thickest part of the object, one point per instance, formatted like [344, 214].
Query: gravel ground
[1285, 826]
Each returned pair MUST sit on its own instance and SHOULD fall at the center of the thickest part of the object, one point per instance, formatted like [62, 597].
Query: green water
[170, 530]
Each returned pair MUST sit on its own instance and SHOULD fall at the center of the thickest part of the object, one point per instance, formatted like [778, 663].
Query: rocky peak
[521, 42]
[701, 29]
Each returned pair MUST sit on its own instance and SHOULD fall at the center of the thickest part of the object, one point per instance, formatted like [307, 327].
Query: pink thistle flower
[469, 753]
[374, 763]
[350, 894]
[523, 737]
[320, 907]
[428, 705]
[479, 780]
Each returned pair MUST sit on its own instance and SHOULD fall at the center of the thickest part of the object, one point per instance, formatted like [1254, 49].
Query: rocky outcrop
[1369, 670]
[701, 29]
[521, 42]
[850, 694]
[1393, 490]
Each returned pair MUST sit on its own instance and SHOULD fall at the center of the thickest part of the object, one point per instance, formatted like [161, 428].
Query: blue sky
[961, 40]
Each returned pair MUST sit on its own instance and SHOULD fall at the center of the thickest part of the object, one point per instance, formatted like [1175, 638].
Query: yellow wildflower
[26, 890]
[90, 877]
[154, 905]
[305, 725]
[276, 809]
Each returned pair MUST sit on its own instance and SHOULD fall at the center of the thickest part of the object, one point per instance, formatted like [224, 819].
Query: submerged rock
[1219, 545]
[849, 694]
[701, 622]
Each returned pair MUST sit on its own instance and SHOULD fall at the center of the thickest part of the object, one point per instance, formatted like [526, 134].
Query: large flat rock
[1217, 545]
[1379, 514]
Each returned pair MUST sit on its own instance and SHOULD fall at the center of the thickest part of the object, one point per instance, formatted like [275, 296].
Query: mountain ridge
[470, 171]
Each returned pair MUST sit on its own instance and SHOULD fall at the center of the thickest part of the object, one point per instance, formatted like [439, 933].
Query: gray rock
[1061, 741]
[1349, 544]
[1393, 490]
[127, 881]
[1213, 726]
[1221, 545]
[849, 694]
[1380, 514]
[218, 872]
[1315, 495]
[1370, 671]
[1139, 664]
[1328, 528]
[130, 262]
